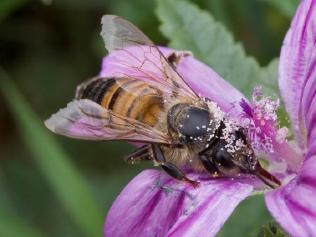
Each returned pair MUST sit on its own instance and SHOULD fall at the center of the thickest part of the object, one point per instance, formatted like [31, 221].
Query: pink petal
[297, 68]
[201, 78]
[208, 83]
[293, 205]
[309, 98]
[153, 204]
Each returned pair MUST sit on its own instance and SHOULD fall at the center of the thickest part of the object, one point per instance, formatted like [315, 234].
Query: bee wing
[120, 34]
[85, 119]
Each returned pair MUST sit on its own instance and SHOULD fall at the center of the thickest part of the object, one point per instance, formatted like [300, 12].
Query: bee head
[226, 162]
[231, 164]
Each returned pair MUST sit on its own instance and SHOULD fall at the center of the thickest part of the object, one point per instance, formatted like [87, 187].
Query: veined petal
[297, 68]
[201, 78]
[293, 205]
[309, 98]
[154, 204]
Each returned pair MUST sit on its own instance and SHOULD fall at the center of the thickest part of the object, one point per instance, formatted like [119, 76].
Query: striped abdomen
[127, 97]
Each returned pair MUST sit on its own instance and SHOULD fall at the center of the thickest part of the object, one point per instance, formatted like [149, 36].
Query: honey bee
[152, 104]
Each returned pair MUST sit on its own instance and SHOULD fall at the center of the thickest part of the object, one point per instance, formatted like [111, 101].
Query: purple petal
[153, 204]
[309, 99]
[208, 83]
[293, 205]
[202, 79]
[297, 69]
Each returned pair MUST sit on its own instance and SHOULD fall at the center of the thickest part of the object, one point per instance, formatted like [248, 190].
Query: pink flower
[153, 204]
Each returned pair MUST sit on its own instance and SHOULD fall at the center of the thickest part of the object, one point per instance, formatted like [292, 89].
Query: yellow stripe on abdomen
[127, 97]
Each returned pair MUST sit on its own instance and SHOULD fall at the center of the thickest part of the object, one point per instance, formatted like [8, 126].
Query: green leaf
[190, 28]
[272, 229]
[239, 224]
[11, 224]
[15, 227]
[8, 6]
[63, 178]
[268, 78]
[286, 7]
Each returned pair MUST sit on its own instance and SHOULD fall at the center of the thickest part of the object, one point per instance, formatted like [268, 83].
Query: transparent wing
[138, 52]
[85, 119]
[118, 33]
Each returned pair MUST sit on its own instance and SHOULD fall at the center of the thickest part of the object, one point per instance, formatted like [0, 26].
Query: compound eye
[195, 122]
[224, 159]
[225, 164]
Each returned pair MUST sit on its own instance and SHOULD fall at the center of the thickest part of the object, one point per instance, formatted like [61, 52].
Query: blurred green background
[55, 186]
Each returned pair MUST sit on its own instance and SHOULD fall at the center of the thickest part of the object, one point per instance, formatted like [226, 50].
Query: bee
[149, 102]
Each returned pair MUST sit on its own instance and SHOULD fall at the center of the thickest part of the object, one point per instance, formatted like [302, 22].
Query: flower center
[261, 121]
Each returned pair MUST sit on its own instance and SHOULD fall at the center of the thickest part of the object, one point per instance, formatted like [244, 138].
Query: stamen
[261, 121]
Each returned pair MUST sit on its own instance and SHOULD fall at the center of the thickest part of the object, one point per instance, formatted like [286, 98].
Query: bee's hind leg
[170, 168]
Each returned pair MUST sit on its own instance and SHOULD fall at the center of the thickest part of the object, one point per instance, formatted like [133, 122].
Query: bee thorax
[191, 123]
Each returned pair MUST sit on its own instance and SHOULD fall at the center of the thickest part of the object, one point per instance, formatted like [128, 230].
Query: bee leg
[176, 173]
[208, 165]
[140, 154]
[170, 168]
